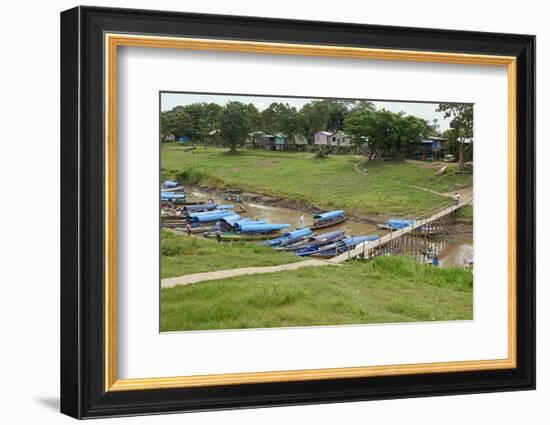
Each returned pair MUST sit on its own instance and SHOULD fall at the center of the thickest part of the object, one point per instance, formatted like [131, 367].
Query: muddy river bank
[276, 202]
[455, 248]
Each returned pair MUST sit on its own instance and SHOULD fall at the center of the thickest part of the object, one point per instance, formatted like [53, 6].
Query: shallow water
[452, 250]
[273, 214]
[457, 254]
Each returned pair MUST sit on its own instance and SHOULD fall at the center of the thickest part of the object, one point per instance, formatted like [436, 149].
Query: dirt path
[222, 274]
[432, 191]
[363, 172]
[466, 193]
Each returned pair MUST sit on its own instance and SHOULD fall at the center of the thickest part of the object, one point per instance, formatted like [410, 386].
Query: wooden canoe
[323, 224]
[230, 236]
[195, 230]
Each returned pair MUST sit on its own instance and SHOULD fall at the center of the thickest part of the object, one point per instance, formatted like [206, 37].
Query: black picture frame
[82, 206]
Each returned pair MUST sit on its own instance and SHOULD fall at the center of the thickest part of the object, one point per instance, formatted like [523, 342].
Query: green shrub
[321, 153]
[189, 176]
[170, 246]
[193, 176]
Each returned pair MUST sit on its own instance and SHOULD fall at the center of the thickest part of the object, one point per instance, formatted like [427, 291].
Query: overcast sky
[419, 109]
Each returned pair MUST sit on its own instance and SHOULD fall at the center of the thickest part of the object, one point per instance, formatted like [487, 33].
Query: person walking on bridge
[457, 197]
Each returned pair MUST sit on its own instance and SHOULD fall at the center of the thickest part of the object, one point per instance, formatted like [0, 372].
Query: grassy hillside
[374, 189]
[181, 255]
[384, 290]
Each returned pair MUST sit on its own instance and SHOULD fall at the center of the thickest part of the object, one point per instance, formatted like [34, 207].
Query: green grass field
[384, 290]
[182, 254]
[378, 189]
[465, 214]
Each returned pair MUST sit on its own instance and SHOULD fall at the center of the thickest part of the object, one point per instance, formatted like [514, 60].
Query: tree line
[384, 130]
[197, 120]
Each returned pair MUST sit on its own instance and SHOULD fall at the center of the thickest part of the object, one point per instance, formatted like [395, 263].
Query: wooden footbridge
[368, 249]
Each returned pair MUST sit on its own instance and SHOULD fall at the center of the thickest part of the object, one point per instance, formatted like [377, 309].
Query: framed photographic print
[261, 212]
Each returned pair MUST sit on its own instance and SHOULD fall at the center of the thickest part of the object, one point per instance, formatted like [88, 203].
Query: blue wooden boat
[245, 229]
[215, 211]
[343, 246]
[314, 241]
[229, 220]
[289, 237]
[200, 207]
[172, 186]
[327, 219]
[206, 207]
[395, 224]
[237, 223]
[209, 215]
[318, 249]
[255, 227]
[169, 184]
[179, 189]
[172, 196]
[236, 236]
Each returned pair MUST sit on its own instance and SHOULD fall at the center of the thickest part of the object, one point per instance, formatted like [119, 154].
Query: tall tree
[452, 140]
[411, 129]
[338, 112]
[204, 119]
[433, 125]
[314, 117]
[359, 105]
[462, 122]
[385, 130]
[326, 114]
[195, 120]
[254, 117]
[376, 126]
[177, 122]
[281, 118]
[165, 123]
[234, 125]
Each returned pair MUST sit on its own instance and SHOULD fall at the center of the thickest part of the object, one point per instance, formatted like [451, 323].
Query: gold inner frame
[113, 41]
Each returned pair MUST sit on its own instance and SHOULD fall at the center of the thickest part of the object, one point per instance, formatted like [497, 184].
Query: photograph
[262, 211]
[282, 212]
